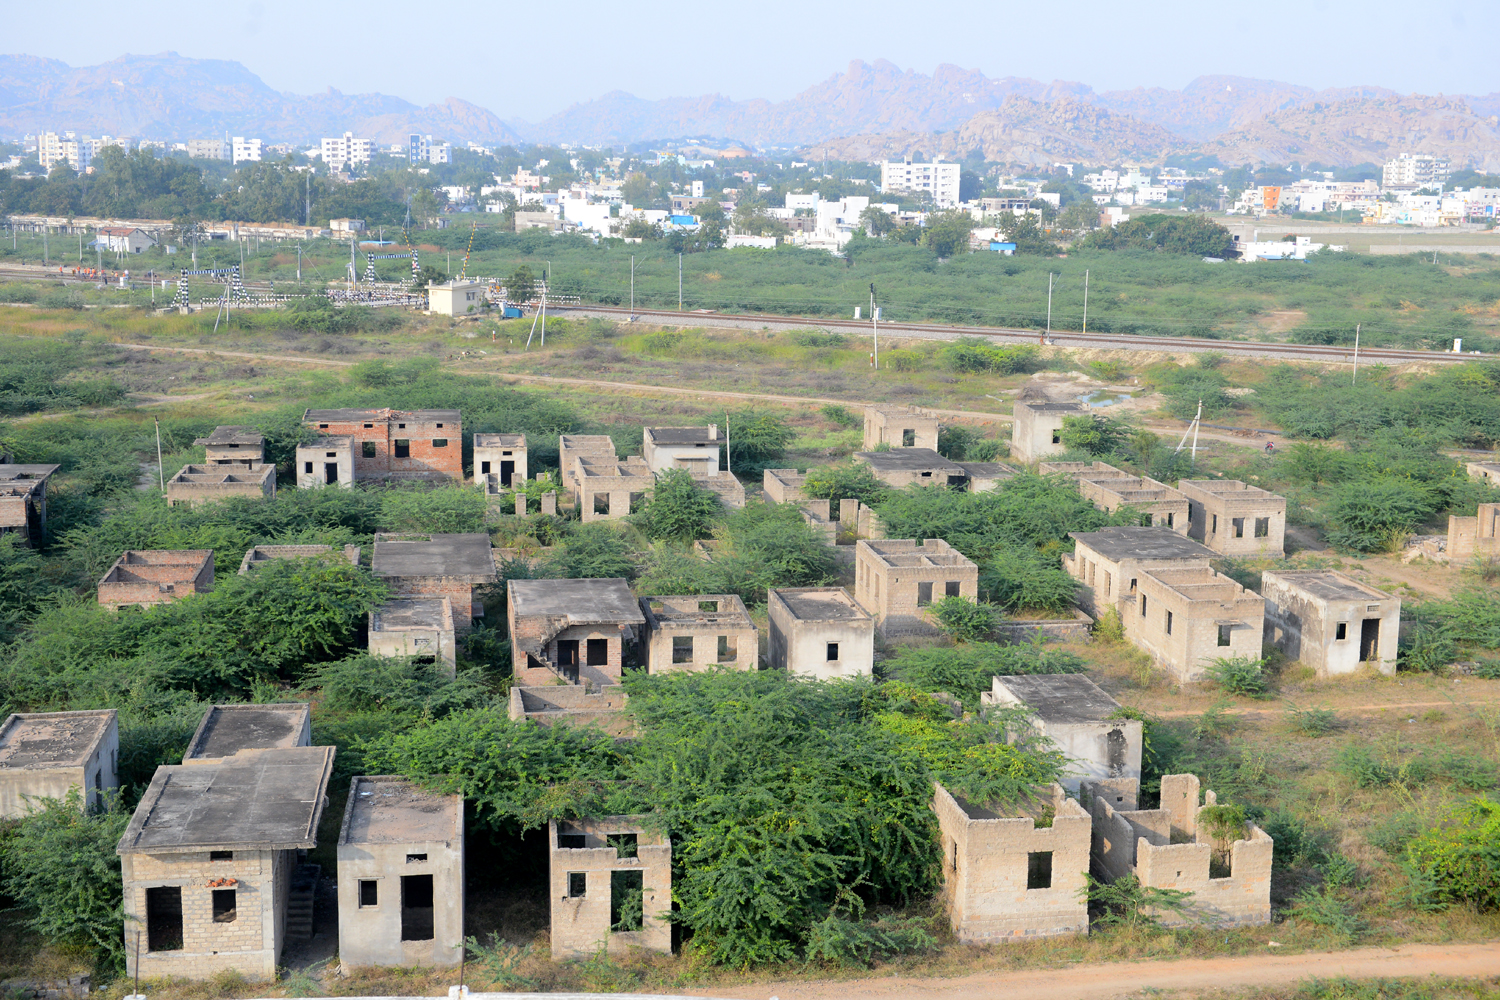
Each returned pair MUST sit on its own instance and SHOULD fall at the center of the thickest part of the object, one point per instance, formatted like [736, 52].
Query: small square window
[367, 449]
[682, 649]
[403, 448]
[401, 426]
[440, 426]
[1342, 632]
[369, 893]
[307, 467]
[1039, 870]
[833, 652]
[330, 454]
[224, 906]
[578, 884]
[369, 426]
[322, 427]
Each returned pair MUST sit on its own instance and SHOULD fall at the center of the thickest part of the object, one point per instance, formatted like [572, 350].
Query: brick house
[397, 444]
[149, 577]
[437, 565]
[572, 630]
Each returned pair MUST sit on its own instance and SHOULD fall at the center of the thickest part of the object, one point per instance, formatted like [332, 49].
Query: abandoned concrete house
[985, 476]
[900, 427]
[611, 887]
[45, 754]
[1485, 472]
[499, 461]
[820, 632]
[1076, 715]
[572, 447]
[901, 466]
[149, 577]
[696, 449]
[575, 704]
[607, 489]
[698, 632]
[209, 862]
[783, 486]
[400, 875]
[259, 555]
[326, 461]
[199, 484]
[1186, 618]
[1234, 519]
[895, 580]
[1475, 536]
[1227, 868]
[435, 565]
[1330, 621]
[225, 730]
[1013, 871]
[233, 445]
[420, 628]
[397, 444]
[1036, 429]
[1108, 488]
[1110, 561]
[23, 501]
[579, 631]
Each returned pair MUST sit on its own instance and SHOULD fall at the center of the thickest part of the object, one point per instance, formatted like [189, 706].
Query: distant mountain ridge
[167, 96]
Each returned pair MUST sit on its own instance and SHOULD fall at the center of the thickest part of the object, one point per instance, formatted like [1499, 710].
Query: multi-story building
[53, 148]
[343, 150]
[1415, 170]
[421, 149]
[244, 150]
[937, 179]
[209, 149]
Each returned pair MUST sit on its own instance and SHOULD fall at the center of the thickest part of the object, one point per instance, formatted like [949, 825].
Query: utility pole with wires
[728, 458]
[1354, 375]
[1049, 305]
[679, 288]
[1085, 300]
[874, 328]
[161, 474]
[632, 288]
[1193, 428]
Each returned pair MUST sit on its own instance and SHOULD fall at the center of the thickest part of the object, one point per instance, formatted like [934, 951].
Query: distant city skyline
[668, 48]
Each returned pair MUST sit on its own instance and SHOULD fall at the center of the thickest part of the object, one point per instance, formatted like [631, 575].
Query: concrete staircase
[299, 902]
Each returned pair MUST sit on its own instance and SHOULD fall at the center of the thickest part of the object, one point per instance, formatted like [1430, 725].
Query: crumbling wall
[581, 922]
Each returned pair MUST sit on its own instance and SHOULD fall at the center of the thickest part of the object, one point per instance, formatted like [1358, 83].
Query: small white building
[125, 239]
[456, 298]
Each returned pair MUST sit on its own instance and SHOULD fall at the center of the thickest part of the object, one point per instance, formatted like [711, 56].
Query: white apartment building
[346, 149]
[209, 149]
[53, 148]
[938, 179]
[243, 150]
[421, 149]
[1415, 170]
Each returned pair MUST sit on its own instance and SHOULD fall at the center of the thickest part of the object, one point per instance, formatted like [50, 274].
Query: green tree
[677, 508]
[521, 285]
[877, 221]
[1025, 231]
[1461, 857]
[1092, 433]
[639, 229]
[948, 232]
[1377, 515]
[845, 481]
[595, 550]
[1197, 235]
[964, 619]
[1018, 580]
[757, 437]
[1080, 217]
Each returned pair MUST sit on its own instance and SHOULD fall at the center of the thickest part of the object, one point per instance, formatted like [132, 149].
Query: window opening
[484, 468]
[601, 503]
[369, 893]
[1171, 520]
[626, 845]
[728, 648]
[1039, 870]
[1341, 632]
[164, 918]
[924, 594]
[1369, 639]
[416, 907]
[952, 588]
[1239, 527]
[1216, 524]
[627, 901]
[578, 884]
[507, 472]
[330, 473]
[1262, 527]
[908, 438]
[709, 606]
[440, 442]
[1224, 635]
[307, 468]
[1169, 623]
[403, 448]
[412, 859]
[367, 449]
[598, 652]
[572, 841]
[221, 855]
[224, 906]
[1143, 605]
[682, 649]
[833, 651]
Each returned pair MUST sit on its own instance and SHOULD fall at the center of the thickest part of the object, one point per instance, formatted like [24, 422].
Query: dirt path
[238, 354]
[1183, 712]
[1192, 975]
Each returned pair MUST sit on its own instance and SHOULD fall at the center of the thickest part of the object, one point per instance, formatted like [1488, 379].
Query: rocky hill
[170, 97]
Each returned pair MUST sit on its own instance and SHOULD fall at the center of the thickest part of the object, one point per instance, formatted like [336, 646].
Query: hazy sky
[665, 48]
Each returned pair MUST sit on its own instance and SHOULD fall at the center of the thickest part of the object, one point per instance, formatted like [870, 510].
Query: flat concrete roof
[397, 616]
[392, 810]
[1049, 407]
[1328, 585]
[10, 473]
[987, 470]
[333, 441]
[499, 440]
[259, 554]
[462, 556]
[233, 434]
[41, 740]
[227, 729]
[378, 416]
[269, 800]
[685, 611]
[1134, 542]
[683, 435]
[601, 600]
[1060, 697]
[909, 460]
[820, 604]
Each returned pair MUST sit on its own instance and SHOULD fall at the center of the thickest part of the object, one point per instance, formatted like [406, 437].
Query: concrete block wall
[575, 704]
[156, 576]
[802, 646]
[1226, 514]
[891, 576]
[1176, 618]
[609, 672]
[1035, 429]
[1310, 621]
[986, 863]
[581, 924]
[782, 485]
[199, 484]
[681, 620]
[313, 460]
[426, 459]
[1469, 537]
[900, 427]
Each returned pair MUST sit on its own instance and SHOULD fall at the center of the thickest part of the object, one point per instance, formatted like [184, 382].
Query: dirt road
[1193, 976]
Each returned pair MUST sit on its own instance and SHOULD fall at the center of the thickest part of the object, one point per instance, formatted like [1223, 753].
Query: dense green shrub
[965, 672]
[678, 508]
[1022, 580]
[965, 620]
[844, 481]
[1239, 675]
[1462, 856]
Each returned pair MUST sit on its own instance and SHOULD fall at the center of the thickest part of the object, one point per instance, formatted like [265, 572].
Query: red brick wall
[424, 460]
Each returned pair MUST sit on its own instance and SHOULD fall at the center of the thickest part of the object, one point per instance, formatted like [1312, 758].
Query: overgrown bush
[1239, 675]
[1021, 580]
[964, 619]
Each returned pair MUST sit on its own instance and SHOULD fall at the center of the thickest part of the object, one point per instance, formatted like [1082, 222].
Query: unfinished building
[225, 730]
[1036, 429]
[900, 427]
[259, 555]
[233, 445]
[1186, 618]
[607, 489]
[820, 632]
[900, 467]
[695, 449]
[1013, 871]
[1185, 846]
[45, 754]
[1331, 622]
[986, 476]
[783, 486]
[209, 862]
[437, 565]
[1109, 488]
[326, 461]
[578, 631]
[1234, 519]
[420, 628]
[572, 447]
[23, 501]
[422, 445]
[698, 632]
[1477, 536]
[1076, 715]
[199, 484]
[611, 882]
[1110, 561]
[575, 704]
[1485, 472]
[400, 875]
[895, 580]
[145, 578]
[499, 461]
